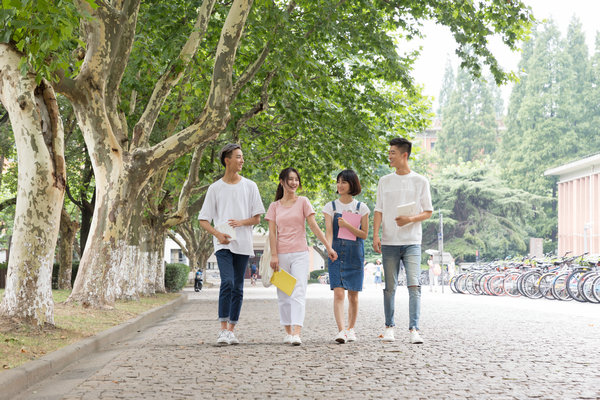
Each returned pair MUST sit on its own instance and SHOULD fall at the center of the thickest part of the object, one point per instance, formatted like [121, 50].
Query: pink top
[290, 221]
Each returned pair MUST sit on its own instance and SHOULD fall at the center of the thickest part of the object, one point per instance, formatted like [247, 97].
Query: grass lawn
[21, 343]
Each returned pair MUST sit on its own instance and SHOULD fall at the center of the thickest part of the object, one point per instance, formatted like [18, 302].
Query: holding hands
[332, 254]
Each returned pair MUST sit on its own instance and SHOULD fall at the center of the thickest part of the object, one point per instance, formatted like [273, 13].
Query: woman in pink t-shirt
[289, 251]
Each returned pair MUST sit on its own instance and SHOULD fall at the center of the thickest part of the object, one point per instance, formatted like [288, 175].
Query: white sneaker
[415, 338]
[232, 338]
[287, 339]
[296, 341]
[388, 335]
[341, 337]
[350, 335]
[223, 337]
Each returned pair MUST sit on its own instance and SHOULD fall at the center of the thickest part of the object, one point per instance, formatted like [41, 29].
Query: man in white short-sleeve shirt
[234, 206]
[400, 241]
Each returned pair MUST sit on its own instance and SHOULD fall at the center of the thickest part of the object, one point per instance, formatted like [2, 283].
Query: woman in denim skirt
[347, 272]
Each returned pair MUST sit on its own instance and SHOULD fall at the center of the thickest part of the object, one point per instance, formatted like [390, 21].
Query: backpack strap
[358, 206]
[333, 204]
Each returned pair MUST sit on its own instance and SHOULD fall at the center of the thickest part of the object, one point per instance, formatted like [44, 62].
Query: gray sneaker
[223, 337]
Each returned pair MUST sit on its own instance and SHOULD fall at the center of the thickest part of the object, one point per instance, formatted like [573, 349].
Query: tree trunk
[121, 173]
[68, 231]
[38, 135]
[87, 212]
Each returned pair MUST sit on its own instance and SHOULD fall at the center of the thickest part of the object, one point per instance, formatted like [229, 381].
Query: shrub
[75, 268]
[176, 276]
[316, 273]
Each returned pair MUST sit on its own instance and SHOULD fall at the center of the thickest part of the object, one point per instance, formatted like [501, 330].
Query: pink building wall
[578, 206]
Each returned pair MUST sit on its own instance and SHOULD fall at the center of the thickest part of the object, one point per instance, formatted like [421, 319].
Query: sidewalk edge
[16, 380]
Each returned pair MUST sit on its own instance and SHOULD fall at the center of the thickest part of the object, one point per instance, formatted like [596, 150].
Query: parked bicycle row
[573, 278]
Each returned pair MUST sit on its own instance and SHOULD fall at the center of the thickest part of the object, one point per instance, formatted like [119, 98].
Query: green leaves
[45, 31]
[481, 212]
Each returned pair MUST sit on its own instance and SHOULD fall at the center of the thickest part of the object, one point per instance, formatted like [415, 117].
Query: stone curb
[16, 380]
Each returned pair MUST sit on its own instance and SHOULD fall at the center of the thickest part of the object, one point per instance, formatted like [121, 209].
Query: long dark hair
[284, 176]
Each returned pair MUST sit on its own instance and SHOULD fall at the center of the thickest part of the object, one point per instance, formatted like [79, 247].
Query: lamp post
[441, 248]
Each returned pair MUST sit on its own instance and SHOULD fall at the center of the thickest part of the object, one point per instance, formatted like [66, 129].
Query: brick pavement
[475, 348]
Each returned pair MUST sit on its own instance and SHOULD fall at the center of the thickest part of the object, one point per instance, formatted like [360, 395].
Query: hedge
[75, 268]
[176, 276]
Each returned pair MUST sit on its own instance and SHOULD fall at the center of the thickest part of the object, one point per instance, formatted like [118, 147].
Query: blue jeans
[232, 268]
[410, 255]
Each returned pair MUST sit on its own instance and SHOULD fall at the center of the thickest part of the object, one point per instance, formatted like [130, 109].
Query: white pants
[292, 308]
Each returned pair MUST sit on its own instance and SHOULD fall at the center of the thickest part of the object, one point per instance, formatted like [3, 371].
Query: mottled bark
[39, 140]
[68, 231]
[122, 172]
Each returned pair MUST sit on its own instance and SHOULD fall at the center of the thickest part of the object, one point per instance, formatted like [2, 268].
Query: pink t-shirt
[291, 224]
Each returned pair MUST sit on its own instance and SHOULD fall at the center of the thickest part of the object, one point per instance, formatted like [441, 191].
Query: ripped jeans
[410, 255]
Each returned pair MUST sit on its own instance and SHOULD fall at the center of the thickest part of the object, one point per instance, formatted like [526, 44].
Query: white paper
[407, 210]
[226, 229]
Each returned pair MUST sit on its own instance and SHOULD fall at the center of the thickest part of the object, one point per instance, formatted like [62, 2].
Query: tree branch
[8, 203]
[215, 116]
[172, 76]
[70, 196]
[176, 240]
[186, 189]
[262, 105]
[250, 72]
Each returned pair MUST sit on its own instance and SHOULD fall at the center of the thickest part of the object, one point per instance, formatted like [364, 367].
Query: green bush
[316, 273]
[4, 265]
[176, 276]
[75, 268]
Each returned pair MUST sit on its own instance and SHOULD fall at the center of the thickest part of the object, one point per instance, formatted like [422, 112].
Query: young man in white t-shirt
[401, 234]
[234, 205]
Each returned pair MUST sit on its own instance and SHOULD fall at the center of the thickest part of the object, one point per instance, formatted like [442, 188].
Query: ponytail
[279, 192]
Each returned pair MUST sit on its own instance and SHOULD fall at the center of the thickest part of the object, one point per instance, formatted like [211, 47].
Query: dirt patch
[21, 342]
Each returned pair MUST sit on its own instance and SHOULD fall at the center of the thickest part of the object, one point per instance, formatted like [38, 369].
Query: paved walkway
[475, 347]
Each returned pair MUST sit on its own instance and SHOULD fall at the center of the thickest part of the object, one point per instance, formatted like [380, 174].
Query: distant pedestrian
[433, 277]
[401, 234]
[234, 205]
[253, 274]
[347, 272]
[377, 274]
[287, 217]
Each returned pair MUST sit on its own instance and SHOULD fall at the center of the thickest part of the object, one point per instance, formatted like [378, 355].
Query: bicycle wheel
[510, 284]
[586, 286]
[528, 285]
[452, 284]
[469, 283]
[495, 285]
[461, 283]
[572, 284]
[559, 287]
[596, 289]
[544, 285]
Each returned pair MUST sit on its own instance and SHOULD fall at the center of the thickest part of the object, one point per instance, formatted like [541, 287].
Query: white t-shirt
[226, 201]
[341, 207]
[394, 190]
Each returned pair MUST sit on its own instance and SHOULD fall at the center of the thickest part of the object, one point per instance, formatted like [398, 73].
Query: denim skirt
[348, 270]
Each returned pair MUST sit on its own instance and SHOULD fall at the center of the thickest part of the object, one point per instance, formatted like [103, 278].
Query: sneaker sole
[296, 344]
[388, 340]
[340, 340]
[417, 342]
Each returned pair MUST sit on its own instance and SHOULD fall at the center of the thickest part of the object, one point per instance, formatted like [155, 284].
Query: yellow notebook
[284, 281]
